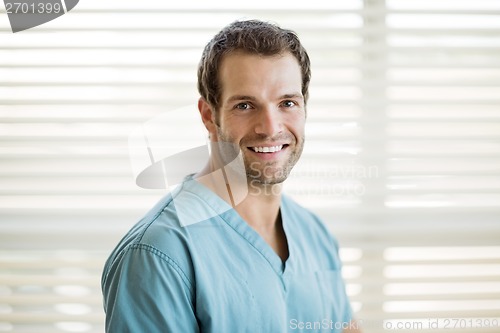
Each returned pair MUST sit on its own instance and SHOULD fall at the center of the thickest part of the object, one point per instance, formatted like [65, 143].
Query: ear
[207, 116]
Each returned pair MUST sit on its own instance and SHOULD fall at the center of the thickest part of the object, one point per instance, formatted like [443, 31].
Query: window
[402, 158]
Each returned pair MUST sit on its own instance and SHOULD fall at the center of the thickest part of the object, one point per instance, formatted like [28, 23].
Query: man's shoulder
[167, 229]
[159, 232]
[140, 234]
[158, 242]
[172, 216]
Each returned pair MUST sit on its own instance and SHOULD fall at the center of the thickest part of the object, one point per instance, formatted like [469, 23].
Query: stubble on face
[261, 172]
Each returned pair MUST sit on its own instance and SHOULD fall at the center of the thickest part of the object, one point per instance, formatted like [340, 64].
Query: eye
[242, 106]
[288, 104]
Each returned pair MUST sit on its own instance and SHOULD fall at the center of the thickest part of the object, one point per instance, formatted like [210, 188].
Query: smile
[267, 149]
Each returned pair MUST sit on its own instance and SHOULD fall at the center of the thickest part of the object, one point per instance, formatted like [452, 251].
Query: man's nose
[269, 122]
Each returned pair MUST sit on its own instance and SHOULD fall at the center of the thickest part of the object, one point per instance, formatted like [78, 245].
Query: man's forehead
[245, 75]
[241, 97]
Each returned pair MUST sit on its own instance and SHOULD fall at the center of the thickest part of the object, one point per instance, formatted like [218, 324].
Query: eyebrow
[241, 98]
[295, 95]
[252, 98]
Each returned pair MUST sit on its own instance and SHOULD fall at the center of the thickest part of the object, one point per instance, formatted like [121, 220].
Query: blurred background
[402, 159]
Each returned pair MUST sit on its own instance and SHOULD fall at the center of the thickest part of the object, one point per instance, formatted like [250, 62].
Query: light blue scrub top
[220, 276]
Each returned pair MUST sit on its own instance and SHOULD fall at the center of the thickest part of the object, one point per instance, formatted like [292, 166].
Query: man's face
[262, 112]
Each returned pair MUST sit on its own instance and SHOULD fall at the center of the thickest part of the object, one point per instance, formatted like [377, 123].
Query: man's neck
[260, 208]
[258, 204]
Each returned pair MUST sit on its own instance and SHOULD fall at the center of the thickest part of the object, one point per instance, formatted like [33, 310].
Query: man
[226, 251]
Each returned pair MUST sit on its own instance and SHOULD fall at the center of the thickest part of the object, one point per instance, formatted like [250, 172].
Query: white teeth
[267, 149]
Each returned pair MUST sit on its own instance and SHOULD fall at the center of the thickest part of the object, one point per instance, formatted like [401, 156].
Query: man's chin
[263, 181]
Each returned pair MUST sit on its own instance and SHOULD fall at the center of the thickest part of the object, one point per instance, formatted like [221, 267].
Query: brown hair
[252, 36]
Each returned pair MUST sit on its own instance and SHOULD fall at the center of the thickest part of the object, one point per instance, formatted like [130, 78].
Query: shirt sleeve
[146, 291]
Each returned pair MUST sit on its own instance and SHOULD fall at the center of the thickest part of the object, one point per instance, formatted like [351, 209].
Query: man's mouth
[271, 149]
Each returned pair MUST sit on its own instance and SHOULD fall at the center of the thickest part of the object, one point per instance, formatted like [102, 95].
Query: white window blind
[402, 159]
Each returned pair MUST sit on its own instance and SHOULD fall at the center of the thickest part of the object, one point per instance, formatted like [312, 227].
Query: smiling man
[245, 257]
